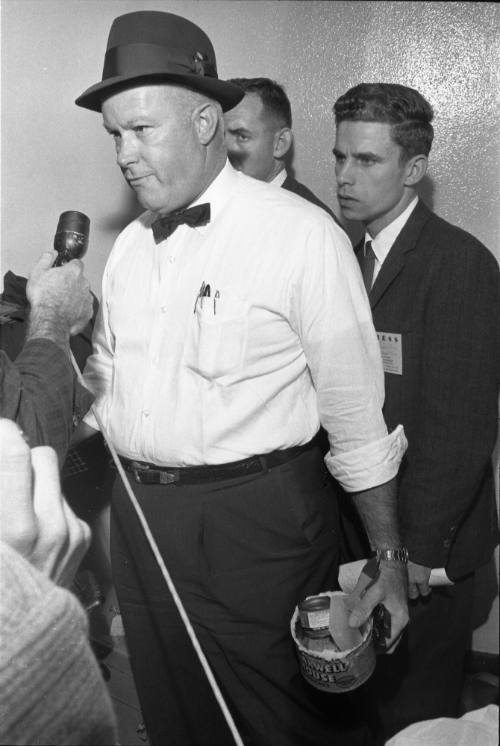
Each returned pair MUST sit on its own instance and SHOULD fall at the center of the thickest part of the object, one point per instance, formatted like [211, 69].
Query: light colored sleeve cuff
[371, 465]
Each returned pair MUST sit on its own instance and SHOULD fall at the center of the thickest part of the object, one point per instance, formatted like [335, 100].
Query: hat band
[148, 59]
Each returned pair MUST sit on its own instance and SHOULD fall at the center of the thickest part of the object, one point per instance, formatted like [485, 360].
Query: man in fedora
[249, 326]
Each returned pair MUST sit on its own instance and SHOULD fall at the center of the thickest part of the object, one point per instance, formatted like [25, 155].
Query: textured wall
[56, 157]
[448, 51]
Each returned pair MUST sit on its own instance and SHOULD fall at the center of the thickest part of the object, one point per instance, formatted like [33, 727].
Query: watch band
[400, 554]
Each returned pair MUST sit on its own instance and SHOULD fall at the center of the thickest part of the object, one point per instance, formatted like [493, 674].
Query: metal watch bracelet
[400, 554]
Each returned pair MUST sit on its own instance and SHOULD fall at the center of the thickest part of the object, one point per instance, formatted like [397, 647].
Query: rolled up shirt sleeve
[333, 319]
[373, 464]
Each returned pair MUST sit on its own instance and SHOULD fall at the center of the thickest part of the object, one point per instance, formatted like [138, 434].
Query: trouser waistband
[145, 473]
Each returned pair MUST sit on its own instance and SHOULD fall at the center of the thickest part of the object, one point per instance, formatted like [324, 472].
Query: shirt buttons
[145, 412]
[163, 309]
[171, 259]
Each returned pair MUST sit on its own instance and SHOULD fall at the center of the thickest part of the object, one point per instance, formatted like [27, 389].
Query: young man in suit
[258, 136]
[434, 294]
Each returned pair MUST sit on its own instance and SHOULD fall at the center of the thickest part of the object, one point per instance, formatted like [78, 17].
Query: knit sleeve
[52, 691]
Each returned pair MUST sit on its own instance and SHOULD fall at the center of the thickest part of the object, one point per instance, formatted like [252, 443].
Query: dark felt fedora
[149, 46]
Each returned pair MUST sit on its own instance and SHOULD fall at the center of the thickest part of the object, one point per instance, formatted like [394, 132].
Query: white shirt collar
[279, 178]
[384, 240]
[217, 193]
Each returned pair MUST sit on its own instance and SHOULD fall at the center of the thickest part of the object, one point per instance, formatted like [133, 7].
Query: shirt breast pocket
[216, 341]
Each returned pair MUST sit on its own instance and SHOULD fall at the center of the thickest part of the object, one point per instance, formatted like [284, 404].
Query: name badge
[391, 347]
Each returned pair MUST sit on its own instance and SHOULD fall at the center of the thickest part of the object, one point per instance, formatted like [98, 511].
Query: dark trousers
[242, 553]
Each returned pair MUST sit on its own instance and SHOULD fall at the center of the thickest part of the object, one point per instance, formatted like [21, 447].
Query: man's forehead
[144, 99]
[361, 135]
[249, 111]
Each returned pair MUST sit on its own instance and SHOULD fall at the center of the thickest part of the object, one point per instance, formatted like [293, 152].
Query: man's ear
[416, 168]
[205, 118]
[282, 142]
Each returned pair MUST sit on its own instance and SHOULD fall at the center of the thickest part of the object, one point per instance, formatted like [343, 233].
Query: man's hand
[418, 580]
[390, 589]
[377, 508]
[59, 297]
[35, 519]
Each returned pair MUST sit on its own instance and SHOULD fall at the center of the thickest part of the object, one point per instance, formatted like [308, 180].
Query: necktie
[192, 216]
[367, 263]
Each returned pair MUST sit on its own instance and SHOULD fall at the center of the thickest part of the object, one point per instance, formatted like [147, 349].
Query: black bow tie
[192, 216]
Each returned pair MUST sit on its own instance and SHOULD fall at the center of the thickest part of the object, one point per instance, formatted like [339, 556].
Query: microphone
[72, 236]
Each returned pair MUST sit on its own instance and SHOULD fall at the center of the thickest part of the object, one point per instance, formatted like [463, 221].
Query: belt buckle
[168, 477]
[144, 474]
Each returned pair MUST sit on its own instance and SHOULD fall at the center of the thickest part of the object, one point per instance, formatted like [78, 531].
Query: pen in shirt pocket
[204, 292]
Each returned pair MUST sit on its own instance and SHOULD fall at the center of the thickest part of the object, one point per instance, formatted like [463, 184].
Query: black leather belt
[144, 473]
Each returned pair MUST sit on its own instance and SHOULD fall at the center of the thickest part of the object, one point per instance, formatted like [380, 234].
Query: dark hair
[404, 108]
[272, 95]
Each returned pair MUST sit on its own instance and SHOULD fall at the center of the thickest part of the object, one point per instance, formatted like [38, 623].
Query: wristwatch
[400, 554]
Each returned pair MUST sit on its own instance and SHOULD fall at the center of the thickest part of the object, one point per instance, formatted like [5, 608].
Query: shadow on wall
[290, 168]
[129, 210]
[426, 191]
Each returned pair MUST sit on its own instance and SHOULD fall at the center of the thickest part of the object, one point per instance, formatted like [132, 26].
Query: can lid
[315, 603]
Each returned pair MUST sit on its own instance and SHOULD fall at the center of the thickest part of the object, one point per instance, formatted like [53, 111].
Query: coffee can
[333, 670]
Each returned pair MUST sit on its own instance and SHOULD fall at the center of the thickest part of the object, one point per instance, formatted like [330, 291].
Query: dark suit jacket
[297, 188]
[439, 288]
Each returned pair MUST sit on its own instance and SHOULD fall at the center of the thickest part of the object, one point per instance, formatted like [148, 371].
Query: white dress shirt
[284, 340]
[383, 241]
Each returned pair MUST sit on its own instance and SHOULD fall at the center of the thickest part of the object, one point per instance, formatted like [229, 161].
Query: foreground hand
[35, 520]
[418, 580]
[389, 589]
[60, 291]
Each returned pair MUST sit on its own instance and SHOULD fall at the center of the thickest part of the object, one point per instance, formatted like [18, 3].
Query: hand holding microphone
[58, 291]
